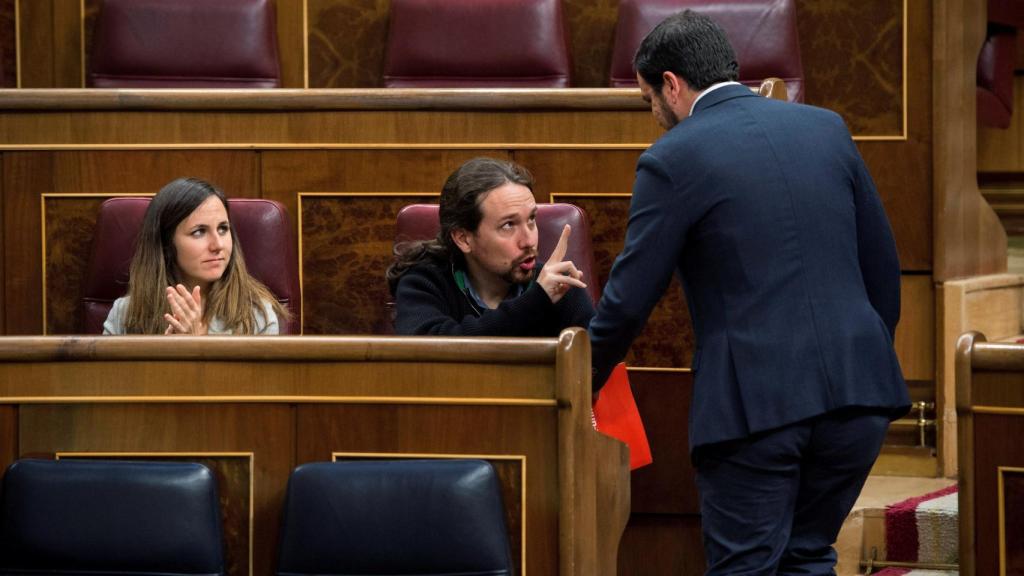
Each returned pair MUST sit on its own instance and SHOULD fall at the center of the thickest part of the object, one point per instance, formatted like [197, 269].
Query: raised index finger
[558, 254]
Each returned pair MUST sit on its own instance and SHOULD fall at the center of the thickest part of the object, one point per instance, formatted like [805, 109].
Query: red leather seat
[762, 32]
[476, 43]
[185, 44]
[264, 231]
[421, 222]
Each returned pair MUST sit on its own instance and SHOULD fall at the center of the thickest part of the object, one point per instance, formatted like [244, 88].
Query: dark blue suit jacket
[766, 211]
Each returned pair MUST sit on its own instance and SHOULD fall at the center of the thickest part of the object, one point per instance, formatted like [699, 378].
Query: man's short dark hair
[691, 46]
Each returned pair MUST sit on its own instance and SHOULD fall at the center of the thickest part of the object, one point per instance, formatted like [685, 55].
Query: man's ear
[460, 236]
[673, 86]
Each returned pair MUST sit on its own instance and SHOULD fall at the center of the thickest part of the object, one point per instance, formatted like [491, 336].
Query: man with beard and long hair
[480, 275]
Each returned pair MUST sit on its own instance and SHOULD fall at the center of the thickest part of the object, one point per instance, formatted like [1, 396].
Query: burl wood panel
[346, 247]
[267, 431]
[347, 42]
[68, 234]
[8, 47]
[28, 175]
[590, 25]
[234, 477]
[852, 58]
[452, 430]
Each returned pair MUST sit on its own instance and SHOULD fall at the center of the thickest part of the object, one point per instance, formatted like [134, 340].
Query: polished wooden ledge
[324, 99]
[979, 355]
[282, 349]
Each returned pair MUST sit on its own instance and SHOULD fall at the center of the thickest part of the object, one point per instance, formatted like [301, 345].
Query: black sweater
[428, 300]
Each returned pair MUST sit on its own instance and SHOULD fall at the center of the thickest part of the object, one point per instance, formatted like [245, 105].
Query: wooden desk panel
[990, 422]
[256, 407]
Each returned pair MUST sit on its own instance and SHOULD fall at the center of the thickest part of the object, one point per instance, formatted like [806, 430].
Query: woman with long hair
[188, 275]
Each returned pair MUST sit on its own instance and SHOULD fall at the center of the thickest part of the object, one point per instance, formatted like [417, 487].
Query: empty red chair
[185, 44]
[264, 232]
[763, 34]
[476, 43]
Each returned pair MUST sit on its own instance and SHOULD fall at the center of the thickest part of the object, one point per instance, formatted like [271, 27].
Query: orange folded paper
[615, 415]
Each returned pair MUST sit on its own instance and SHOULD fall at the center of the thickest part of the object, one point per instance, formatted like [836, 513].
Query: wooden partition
[253, 408]
[990, 410]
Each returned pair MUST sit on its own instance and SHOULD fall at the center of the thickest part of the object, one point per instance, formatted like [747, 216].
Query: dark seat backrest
[996, 63]
[73, 517]
[762, 32]
[476, 43]
[405, 517]
[421, 222]
[264, 231]
[185, 44]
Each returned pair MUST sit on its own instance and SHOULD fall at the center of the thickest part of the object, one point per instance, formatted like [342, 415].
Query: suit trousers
[773, 503]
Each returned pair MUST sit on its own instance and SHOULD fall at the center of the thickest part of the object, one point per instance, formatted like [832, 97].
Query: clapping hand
[187, 311]
[558, 276]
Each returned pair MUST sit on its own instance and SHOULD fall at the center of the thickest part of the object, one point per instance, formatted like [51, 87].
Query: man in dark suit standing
[767, 213]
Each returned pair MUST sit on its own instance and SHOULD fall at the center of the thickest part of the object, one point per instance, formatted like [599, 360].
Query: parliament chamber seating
[410, 517]
[996, 63]
[264, 231]
[476, 43]
[763, 34]
[420, 222]
[185, 44]
[68, 517]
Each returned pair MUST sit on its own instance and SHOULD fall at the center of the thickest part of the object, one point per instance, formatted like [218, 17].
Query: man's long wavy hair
[459, 208]
[236, 298]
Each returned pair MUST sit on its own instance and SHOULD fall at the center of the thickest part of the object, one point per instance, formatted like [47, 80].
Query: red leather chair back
[762, 32]
[476, 43]
[996, 63]
[995, 77]
[421, 222]
[185, 44]
[264, 230]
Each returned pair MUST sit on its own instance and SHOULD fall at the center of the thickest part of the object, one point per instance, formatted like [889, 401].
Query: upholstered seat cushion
[105, 517]
[409, 517]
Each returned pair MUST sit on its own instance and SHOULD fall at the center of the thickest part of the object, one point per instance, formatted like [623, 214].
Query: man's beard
[516, 275]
